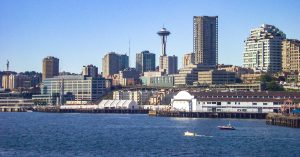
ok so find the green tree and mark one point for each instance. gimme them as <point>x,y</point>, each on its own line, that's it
<point>273,86</point>
<point>265,78</point>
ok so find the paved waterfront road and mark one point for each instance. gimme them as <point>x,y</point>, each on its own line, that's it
<point>57,134</point>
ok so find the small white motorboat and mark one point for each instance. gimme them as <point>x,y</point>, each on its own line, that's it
<point>187,133</point>
<point>226,127</point>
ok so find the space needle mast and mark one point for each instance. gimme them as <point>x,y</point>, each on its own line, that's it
<point>163,33</point>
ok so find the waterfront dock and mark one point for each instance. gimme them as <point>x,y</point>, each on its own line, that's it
<point>13,109</point>
<point>83,110</point>
<point>288,120</point>
<point>238,115</point>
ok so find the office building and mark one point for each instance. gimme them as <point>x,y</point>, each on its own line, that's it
<point>251,78</point>
<point>169,64</point>
<point>216,77</point>
<point>189,74</point>
<point>237,69</point>
<point>129,77</point>
<point>50,67</point>
<point>262,50</point>
<point>205,36</point>
<point>15,81</point>
<point>59,89</point>
<point>145,61</point>
<point>291,55</point>
<point>90,71</point>
<point>112,63</point>
<point>188,59</point>
<point>147,75</point>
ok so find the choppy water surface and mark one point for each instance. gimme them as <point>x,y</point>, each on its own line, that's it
<point>56,134</point>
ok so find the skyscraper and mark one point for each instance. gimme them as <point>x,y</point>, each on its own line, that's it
<point>188,59</point>
<point>112,63</point>
<point>172,67</point>
<point>50,67</point>
<point>262,50</point>
<point>90,70</point>
<point>145,61</point>
<point>291,55</point>
<point>206,40</point>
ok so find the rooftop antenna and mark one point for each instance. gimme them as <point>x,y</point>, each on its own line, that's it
<point>7,66</point>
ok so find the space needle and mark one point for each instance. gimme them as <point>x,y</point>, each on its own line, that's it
<point>163,33</point>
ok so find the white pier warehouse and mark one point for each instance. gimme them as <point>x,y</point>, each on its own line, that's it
<point>118,104</point>
<point>251,102</point>
<point>106,104</point>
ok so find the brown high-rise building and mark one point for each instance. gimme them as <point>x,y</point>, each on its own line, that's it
<point>90,71</point>
<point>50,67</point>
<point>206,40</point>
<point>290,55</point>
<point>112,63</point>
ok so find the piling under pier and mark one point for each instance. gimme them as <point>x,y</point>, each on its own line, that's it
<point>238,115</point>
<point>120,111</point>
<point>288,120</point>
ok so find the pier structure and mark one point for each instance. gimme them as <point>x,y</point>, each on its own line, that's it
<point>57,109</point>
<point>283,120</point>
<point>237,115</point>
<point>13,109</point>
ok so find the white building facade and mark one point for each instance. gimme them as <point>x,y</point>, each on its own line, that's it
<point>106,104</point>
<point>183,101</point>
<point>263,49</point>
<point>236,102</point>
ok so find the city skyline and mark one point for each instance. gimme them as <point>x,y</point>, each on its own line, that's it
<point>81,33</point>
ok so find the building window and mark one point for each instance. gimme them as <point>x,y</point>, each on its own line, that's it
<point>265,103</point>
<point>228,103</point>
<point>254,103</point>
<point>218,103</point>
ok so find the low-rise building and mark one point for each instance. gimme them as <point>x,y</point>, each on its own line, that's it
<point>237,69</point>
<point>189,74</point>
<point>184,101</point>
<point>251,78</point>
<point>71,88</point>
<point>216,77</point>
<point>148,75</point>
<point>141,97</point>
<point>106,104</point>
<point>162,81</point>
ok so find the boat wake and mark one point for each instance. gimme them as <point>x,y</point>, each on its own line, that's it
<point>203,136</point>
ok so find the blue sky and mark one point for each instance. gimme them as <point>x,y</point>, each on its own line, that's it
<point>80,32</point>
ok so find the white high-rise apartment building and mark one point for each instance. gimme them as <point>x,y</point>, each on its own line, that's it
<point>263,49</point>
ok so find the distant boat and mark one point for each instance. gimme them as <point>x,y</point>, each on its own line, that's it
<point>29,111</point>
<point>187,133</point>
<point>226,127</point>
